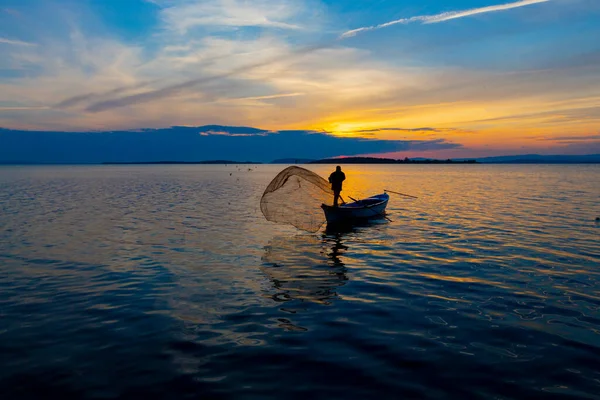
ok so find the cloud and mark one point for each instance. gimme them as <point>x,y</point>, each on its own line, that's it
<point>209,130</point>
<point>578,110</point>
<point>432,19</point>
<point>571,139</point>
<point>460,14</point>
<point>171,90</point>
<point>23,108</point>
<point>80,99</point>
<point>192,144</point>
<point>236,66</point>
<point>184,16</point>
<point>425,129</point>
<point>225,133</point>
<point>16,42</point>
<point>82,78</point>
<point>580,147</point>
<point>232,13</point>
<point>269,97</point>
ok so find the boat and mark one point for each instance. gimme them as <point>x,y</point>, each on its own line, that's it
<point>369,208</point>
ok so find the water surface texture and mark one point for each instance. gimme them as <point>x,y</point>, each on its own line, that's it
<point>167,282</point>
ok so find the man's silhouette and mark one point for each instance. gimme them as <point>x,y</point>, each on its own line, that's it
<point>336,178</point>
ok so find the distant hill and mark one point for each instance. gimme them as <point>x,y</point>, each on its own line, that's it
<point>355,160</point>
<point>183,162</point>
<point>376,160</point>
<point>517,159</point>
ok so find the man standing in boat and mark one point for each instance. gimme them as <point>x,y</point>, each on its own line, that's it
<point>336,178</point>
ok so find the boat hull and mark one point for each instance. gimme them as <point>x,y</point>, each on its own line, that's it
<point>370,208</point>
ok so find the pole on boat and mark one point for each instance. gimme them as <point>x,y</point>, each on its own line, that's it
<point>401,194</point>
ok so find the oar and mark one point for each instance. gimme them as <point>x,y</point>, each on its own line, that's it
<point>374,212</point>
<point>401,194</point>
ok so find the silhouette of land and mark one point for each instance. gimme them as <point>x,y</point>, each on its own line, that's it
<point>347,160</point>
<point>183,162</point>
<point>375,160</point>
<point>516,159</point>
<point>218,144</point>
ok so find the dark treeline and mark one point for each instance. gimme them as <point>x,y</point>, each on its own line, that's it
<point>375,160</point>
<point>184,162</point>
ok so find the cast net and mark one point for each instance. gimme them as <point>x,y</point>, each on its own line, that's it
<point>294,197</point>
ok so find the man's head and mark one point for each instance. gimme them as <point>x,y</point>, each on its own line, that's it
<point>338,168</point>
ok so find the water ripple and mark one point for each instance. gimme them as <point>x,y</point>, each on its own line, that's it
<point>166,282</point>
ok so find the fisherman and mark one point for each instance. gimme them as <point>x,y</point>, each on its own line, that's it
<point>336,178</point>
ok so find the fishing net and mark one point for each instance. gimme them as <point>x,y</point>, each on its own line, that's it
<point>294,197</point>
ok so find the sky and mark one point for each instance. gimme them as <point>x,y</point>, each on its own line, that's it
<point>453,78</point>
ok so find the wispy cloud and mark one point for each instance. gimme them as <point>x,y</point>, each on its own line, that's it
<point>171,90</point>
<point>79,99</point>
<point>231,13</point>
<point>571,139</point>
<point>24,108</point>
<point>273,96</point>
<point>424,129</point>
<point>432,19</point>
<point>186,15</point>
<point>225,69</point>
<point>16,42</point>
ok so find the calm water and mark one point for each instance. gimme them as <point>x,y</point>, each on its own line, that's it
<point>167,282</point>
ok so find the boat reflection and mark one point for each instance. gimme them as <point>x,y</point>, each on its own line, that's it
<point>352,226</point>
<point>305,271</point>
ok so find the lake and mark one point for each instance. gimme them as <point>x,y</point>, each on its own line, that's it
<point>166,281</point>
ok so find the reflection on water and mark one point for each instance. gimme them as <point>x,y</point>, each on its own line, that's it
<point>353,226</point>
<point>304,268</point>
<point>167,282</point>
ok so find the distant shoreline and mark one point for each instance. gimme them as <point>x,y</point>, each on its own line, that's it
<point>375,160</point>
<point>216,162</point>
<point>517,160</point>
<point>340,162</point>
<point>327,161</point>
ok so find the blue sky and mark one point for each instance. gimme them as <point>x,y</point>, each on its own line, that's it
<point>493,77</point>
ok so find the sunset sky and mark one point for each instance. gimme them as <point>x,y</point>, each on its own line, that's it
<point>484,77</point>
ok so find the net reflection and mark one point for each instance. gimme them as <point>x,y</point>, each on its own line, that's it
<point>305,270</point>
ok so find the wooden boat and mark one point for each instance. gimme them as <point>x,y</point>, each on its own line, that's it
<point>369,208</point>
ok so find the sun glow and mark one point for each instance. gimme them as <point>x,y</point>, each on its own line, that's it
<point>466,86</point>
